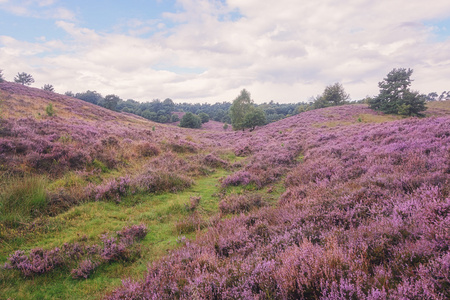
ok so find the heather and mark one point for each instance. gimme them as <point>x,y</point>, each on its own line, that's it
<point>364,216</point>
<point>83,258</point>
<point>336,203</point>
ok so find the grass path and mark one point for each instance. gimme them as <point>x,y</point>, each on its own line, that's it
<point>159,212</point>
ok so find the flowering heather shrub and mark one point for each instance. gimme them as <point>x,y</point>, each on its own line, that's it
<point>38,262</point>
<point>147,149</point>
<point>84,269</point>
<point>162,182</point>
<point>234,204</point>
<point>242,150</point>
<point>183,146</point>
<point>120,249</point>
<point>129,235</point>
<point>215,162</point>
<point>239,178</point>
<point>113,189</point>
<point>41,261</point>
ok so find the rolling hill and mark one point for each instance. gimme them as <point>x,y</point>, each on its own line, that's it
<point>335,203</point>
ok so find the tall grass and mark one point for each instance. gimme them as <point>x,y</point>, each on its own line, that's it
<point>22,198</point>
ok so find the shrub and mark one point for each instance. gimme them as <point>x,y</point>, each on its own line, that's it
<point>41,261</point>
<point>194,201</point>
<point>213,161</point>
<point>240,178</point>
<point>183,146</point>
<point>234,204</point>
<point>189,120</point>
<point>204,117</point>
<point>49,110</point>
<point>147,149</point>
<point>84,269</point>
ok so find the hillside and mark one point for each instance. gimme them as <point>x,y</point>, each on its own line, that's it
<point>335,203</point>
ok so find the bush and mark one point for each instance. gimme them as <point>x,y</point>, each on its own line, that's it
<point>41,261</point>
<point>189,120</point>
<point>147,149</point>
<point>204,117</point>
<point>234,204</point>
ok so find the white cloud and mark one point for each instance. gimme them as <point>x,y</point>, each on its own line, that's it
<point>282,50</point>
<point>43,9</point>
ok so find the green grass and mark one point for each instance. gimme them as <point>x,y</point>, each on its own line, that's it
<point>22,199</point>
<point>370,118</point>
<point>160,213</point>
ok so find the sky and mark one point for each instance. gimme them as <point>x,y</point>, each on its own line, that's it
<point>209,50</point>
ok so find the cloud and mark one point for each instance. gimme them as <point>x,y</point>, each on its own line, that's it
<point>280,50</point>
<point>42,9</point>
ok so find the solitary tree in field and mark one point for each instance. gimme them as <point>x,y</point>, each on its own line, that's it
<point>395,96</point>
<point>256,117</point>
<point>24,78</point>
<point>48,87</point>
<point>1,76</point>
<point>240,107</point>
<point>332,95</point>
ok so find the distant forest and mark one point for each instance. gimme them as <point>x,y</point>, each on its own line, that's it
<point>162,111</point>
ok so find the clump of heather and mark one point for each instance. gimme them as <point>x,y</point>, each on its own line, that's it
<point>86,257</point>
<point>146,182</point>
<point>240,178</point>
<point>183,146</point>
<point>112,189</point>
<point>84,269</point>
<point>233,204</point>
<point>147,149</point>
<point>38,262</point>
<point>194,201</point>
<point>132,234</point>
<point>215,162</point>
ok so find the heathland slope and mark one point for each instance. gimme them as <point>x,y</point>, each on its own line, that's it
<point>334,203</point>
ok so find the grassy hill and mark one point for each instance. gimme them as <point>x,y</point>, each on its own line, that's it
<point>334,203</point>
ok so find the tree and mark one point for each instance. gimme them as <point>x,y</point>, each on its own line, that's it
<point>111,101</point>
<point>174,118</point>
<point>204,117</point>
<point>48,87</point>
<point>240,107</point>
<point>1,76</point>
<point>332,95</point>
<point>189,120</point>
<point>24,78</point>
<point>90,96</point>
<point>256,117</point>
<point>395,96</point>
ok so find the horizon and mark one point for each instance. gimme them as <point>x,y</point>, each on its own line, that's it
<point>208,51</point>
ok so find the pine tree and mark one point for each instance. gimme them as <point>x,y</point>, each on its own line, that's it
<point>395,96</point>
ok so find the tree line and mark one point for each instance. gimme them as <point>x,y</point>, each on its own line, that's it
<point>395,97</point>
